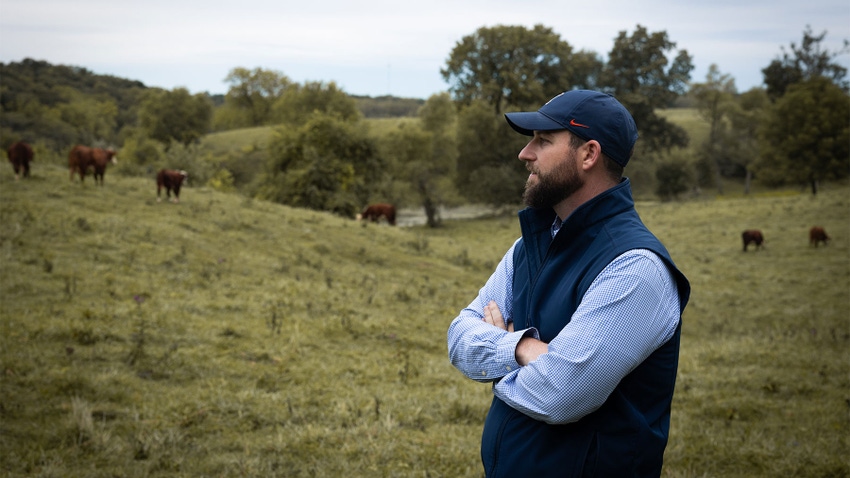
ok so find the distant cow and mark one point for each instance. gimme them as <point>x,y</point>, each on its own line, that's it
<point>171,180</point>
<point>20,154</point>
<point>817,235</point>
<point>752,236</point>
<point>81,158</point>
<point>376,211</point>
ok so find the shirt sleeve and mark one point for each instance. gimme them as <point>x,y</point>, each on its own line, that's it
<point>479,350</point>
<point>630,309</point>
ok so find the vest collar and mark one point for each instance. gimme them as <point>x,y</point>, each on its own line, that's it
<point>609,203</point>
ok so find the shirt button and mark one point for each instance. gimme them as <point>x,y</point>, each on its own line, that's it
<point>483,373</point>
<point>508,368</point>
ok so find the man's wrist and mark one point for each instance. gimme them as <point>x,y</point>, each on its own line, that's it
<point>528,349</point>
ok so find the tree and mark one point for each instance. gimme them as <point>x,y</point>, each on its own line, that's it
<point>642,77</point>
<point>805,62</point>
<point>740,139</point>
<point>175,115</point>
<point>713,99</point>
<point>488,170</point>
<point>326,164</point>
<point>514,67</point>
<point>806,136</point>
<point>251,95</point>
<point>433,173</point>
<point>423,156</point>
<point>297,103</point>
<point>674,178</point>
<point>93,118</point>
<point>58,105</point>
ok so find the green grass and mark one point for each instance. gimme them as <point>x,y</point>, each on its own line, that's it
<point>224,336</point>
<point>233,141</point>
<point>690,120</point>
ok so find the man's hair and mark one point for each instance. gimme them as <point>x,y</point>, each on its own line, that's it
<point>615,171</point>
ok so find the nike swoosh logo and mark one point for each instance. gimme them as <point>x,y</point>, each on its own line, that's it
<point>573,123</point>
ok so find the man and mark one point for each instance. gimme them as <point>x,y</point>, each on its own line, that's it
<point>578,327</point>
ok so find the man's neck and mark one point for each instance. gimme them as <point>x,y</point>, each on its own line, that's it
<point>589,191</point>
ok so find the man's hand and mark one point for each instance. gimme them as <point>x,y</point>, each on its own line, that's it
<point>493,316</point>
<point>528,348</point>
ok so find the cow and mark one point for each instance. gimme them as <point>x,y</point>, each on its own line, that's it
<point>20,154</point>
<point>374,212</point>
<point>81,158</point>
<point>171,180</point>
<point>752,236</point>
<point>817,235</point>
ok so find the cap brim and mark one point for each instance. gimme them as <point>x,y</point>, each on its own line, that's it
<point>528,122</point>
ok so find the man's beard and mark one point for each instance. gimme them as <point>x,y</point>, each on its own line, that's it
<point>555,186</point>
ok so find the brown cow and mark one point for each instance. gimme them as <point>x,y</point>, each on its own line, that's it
<point>170,179</point>
<point>817,234</point>
<point>752,236</point>
<point>81,158</point>
<point>376,211</point>
<point>20,154</point>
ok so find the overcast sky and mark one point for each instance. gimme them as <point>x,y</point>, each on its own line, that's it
<point>377,47</point>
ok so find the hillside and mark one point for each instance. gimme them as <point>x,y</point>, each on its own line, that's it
<point>301,317</point>
<point>226,336</point>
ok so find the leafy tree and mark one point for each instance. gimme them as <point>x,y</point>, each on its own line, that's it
<point>740,140</point>
<point>674,177</point>
<point>297,103</point>
<point>93,118</point>
<point>488,170</point>
<point>251,96</point>
<point>805,62</point>
<point>514,67</point>
<point>806,136</point>
<point>642,77</point>
<point>429,155</point>
<point>29,119</point>
<point>325,164</point>
<point>713,100</point>
<point>60,105</point>
<point>140,156</point>
<point>175,115</point>
<point>407,146</point>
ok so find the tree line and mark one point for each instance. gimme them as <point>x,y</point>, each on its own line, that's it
<point>454,147</point>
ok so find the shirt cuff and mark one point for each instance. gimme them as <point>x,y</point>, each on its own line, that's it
<point>506,348</point>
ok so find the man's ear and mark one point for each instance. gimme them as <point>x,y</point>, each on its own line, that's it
<point>591,154</point>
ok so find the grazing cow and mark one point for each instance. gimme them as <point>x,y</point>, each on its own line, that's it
<point>81,158</point>
<point>20,154</point>
<point>817,234</point>
<point>376,211</point>
<point>752,236</point>
<point>171,180</point>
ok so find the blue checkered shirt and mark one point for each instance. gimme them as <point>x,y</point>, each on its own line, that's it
<point>630,309</point>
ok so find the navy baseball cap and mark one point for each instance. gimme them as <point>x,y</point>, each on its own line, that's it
<point>588,114</point>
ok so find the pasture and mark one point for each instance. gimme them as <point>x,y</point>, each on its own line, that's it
<point>224,336</point>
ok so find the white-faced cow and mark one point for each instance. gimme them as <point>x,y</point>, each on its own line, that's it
<point>171,180</point>
<point>81,158</point>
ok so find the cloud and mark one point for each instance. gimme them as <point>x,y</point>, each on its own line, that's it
<point>378,47</point>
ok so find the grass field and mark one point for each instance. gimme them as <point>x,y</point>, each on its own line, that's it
<point>224,336</point>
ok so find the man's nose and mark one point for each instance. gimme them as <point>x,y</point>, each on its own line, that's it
<point>526,154</point>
